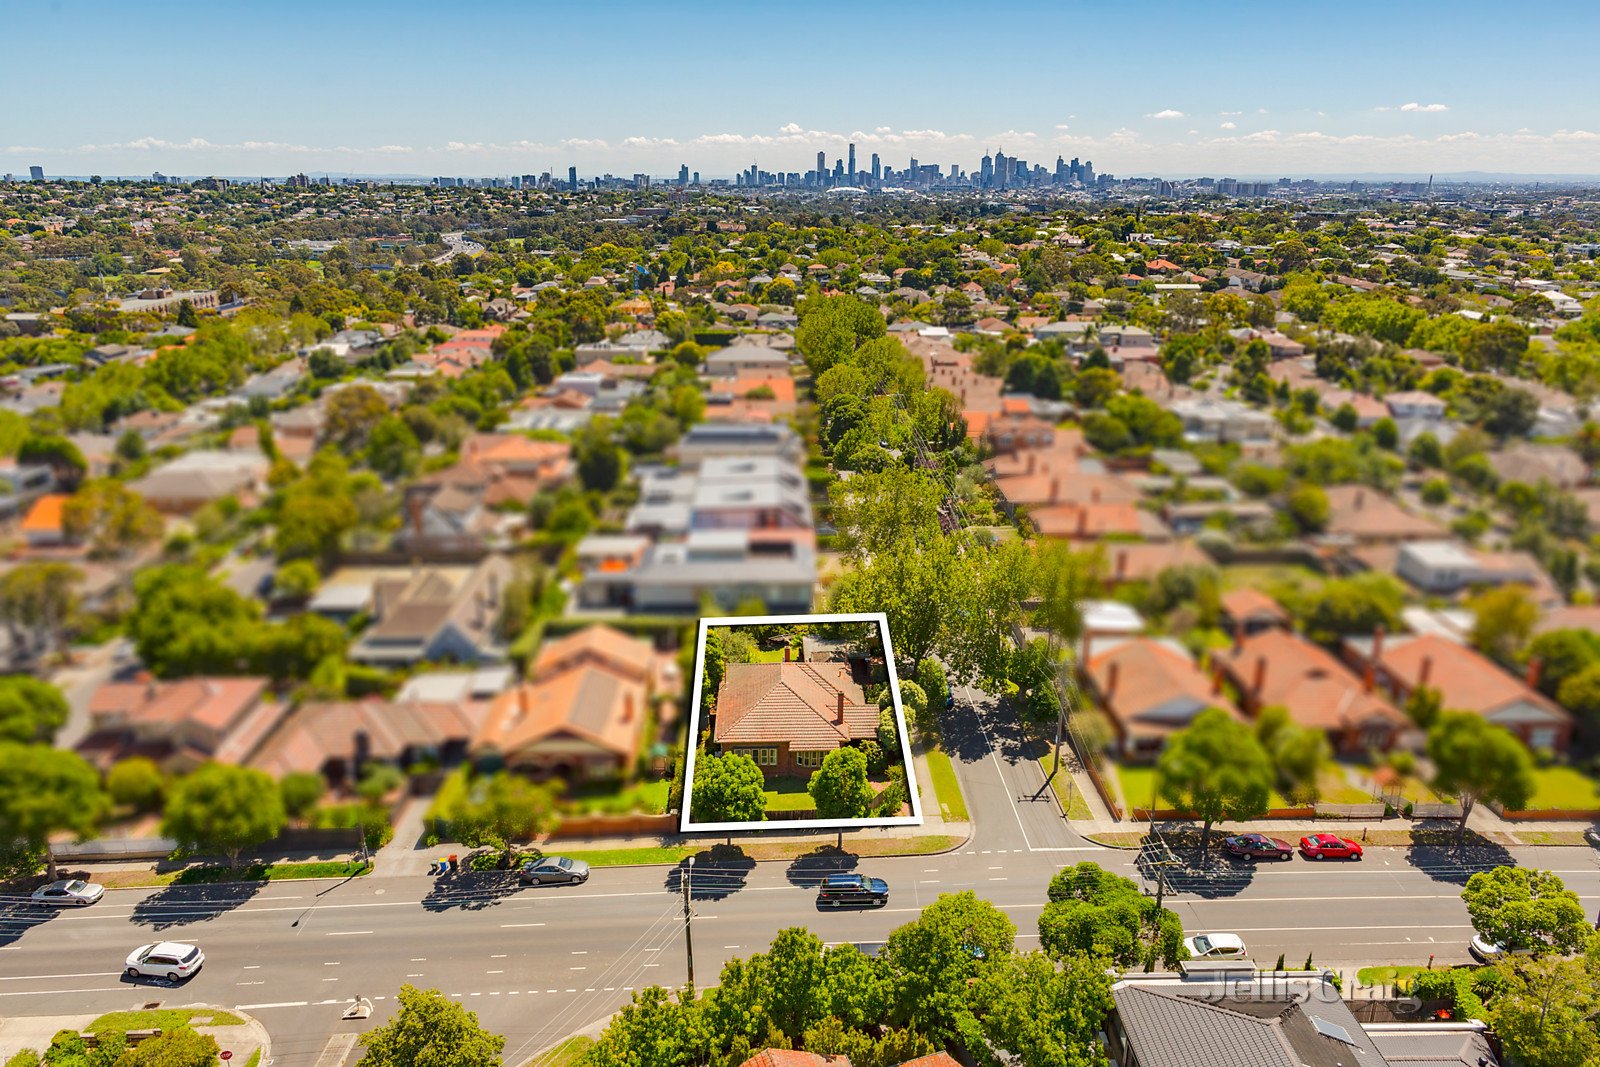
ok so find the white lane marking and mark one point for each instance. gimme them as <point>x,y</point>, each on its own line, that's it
<point>494,972</point>
<point>516,926</point>
<point>994,757</point>
<point>347,933</point>
<point>419,959</point>
<point>252,967</point>
<point>274,1004</point>
<point>498,956</point>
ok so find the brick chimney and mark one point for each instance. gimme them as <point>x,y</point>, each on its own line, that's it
<point>1377,644</point>
<point>786,653</point>
<point>1261,678</point>
<point>1122,564</point>
<point>627,707</point>
<point>1238,636</point>
<point>1425,671</point>
<point>1369,677</point>
<point>838,715</point>
<point>1087,638</point>
<point>1083,522</point>
<point>1111,679</point>
<point>1216,678</point>
<point>1535,672</point>
<point>1055,489</point>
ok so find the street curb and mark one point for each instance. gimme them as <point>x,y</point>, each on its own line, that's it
<point>250,1020</point>
<point>242,881</point>
<point>673,863</point>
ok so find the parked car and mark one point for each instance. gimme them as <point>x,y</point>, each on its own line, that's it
<point>554,869</point>
<point>171,960</point>
<point>1216,947</point>
<point>1486,951</point>
<point>840,890</point>
<point>1259,847</point>
<point>69,893</point>
<point>1592,835</point>
<point>1329,847</point>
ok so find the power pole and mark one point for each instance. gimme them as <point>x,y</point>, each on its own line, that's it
<point>688,914</point>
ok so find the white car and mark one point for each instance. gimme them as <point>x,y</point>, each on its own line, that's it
<point>1215,947</point>
<point>69,893</point>
<point>172,960</point>
<point>1487,951</point>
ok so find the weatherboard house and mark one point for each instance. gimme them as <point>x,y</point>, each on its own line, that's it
<point>788,716</point>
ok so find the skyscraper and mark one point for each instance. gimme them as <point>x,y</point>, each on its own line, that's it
<point>36,174</point>
<point>986,171</point>
<point>851,172</point>
<point>877,168</point>
<point>822,168</point>
<point>683,174</point>
<point>572,179</point>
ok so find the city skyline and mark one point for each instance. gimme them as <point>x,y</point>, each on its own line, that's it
<point>1226,100</point>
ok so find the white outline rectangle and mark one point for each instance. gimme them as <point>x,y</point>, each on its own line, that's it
<point>914,796</point>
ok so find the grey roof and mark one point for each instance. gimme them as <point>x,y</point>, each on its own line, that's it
<point>1433,1044</point>
<point>1251,1021</point>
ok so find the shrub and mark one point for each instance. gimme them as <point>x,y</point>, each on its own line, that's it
<point>137,783</point>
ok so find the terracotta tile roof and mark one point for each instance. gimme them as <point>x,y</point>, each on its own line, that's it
<point>1570,617</point>
<point>1247,603</point>
<point>1466,680</point>
<point>1155,689</point>
<point>1362,512</point>
<point>1137,562</point>
<point>318,732</point>
<point>626,656</point>
<point>588,702</point>
<point>1086,520</point>
<point>937,1059</point>
<point>783,1057</point>
<point>1317,689</point>
<point>212,702</point>
<point>793,702</point>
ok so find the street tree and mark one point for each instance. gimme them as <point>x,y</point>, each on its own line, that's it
<point>137,783</point>
<point>221,808</point>
<point>727,788</point>
<point>1044,1011</point>
<point>179,1047</point>
<point>30,709</point>
<point>874,512</point>
<point>839,788</point>
<point>1548,1014</point>
<point>1580,694</point>
<point>778,990</point>
<point>931,960</point>
<point>112,518</point>
<point>46,791</point>
<point>1476,760</point>
<point>1522,908</point>
<point>351,413</point>
<point>655,1027</point>
<point>1503,620</point>
<point>1216,769</point>
<point>430,1030</point>
<point>503,808</point>
<point>1095,912</point>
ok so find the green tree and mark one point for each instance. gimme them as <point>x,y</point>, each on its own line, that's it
<point>30,710</point>
<point>1580,694</point>
<point>220,808</point>
<point>1216,769</point>
<point>1308,507</point>
<point>46,791</point>
<point>1476,760</point>
<point>727,788</point>
<point>1095,912</point>
<point>300,791</point>
<point>931,960</point>
<point>878,512</point>
<point>430,1030</point>
<point>392,449</point>
<point>654,1028</point>
<point>502,808</point>
<point>57,453</point>
<point>1562,654</point>
<point>1042,1011</point>
<point>186,622</point>
<point>1520,908</point>
<point>137,783</point>
<point>39,603</point>
<point>1354,605</point>
<point>839,788</point>
<point>1503,620</point>
<point>296,579</point>
<point>1546,1014</point>
<point>350,415</point>
<point>601,461</point>
<point>832,328</point>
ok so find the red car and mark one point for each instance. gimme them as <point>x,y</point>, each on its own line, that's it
<point>1329,847</point>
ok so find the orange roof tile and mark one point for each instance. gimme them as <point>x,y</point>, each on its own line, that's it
<point>45,515</point>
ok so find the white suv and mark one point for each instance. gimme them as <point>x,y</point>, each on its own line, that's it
<point>171,960</point>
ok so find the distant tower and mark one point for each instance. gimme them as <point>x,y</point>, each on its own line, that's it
<point>683,174</point>
<point>822,168</point>
<point>36,174</point>
<point>877,168</point>
<point>572,178</point>
<point>851,172</point>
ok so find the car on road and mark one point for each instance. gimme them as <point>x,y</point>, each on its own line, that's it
<point>556,870</point>
<point>1216,947</point>
<point>842,890</point>
<point>1329,847</point>
<point>1485,951</point>
<point>1592,835</point>
<point>1258,847</point>
<point>69,893</point>
<point>171,960</point>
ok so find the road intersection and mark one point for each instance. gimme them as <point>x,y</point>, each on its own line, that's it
<point>539,963</point>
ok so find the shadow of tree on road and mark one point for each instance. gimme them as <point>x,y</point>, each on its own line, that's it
<point>18,915</point>
<point>1435,852</point>
<point>179,905</point>
<point>719,871</point>
<point>809,870</point>
<point>1208,875</point>
<point>471,890</point>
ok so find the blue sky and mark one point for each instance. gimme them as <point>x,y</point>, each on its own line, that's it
<point>498,87</point>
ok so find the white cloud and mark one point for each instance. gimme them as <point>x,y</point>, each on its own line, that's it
<point>1062,126</point>
<point>1230,125</point>
<point>1429,108</point>
<point>1228,113</point>
<point>1168,113</point>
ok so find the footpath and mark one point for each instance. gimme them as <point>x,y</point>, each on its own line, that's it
<point>247,1040</point>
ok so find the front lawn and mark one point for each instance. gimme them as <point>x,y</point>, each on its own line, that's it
<point>621,857</point>
<point>1384,976</point>
<point>613,798</point>
<point>1272,578</point>
<point>1563,788</point>
<point>210,874</point>
<point>946,787</point>
<point>1139,788</point>
<point>788,793</point>
<point>164,1019</point>
<point>769,655</point>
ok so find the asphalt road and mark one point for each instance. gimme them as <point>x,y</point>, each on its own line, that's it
<point>538,963</point>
